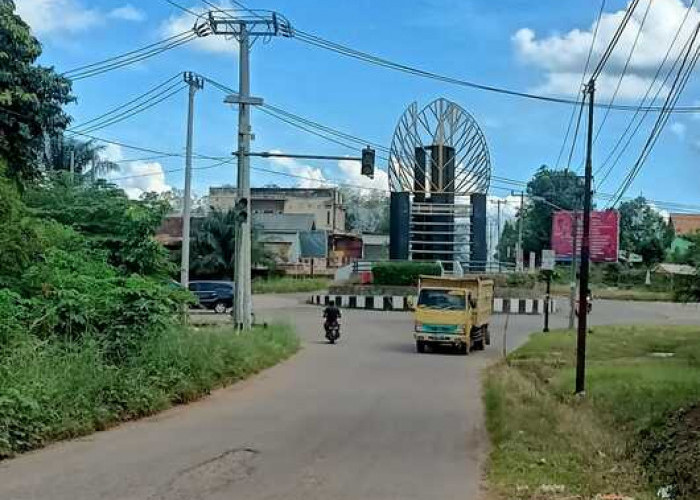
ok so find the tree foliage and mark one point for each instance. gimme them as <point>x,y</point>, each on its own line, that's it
<point>644,231</point>
<point>366,212</point>
<point>548,188</point>
<point>31,97</point>
<point>213,247</point>
<point>105,215</point>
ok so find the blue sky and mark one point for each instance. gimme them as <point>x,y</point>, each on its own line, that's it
<point>524,45</point>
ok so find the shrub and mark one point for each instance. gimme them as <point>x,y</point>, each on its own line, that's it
<point>403,273</point>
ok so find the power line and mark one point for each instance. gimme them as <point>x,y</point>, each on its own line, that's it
<point>616,38</point>
<point>128,103</point>
<point>644,99</point>
<point>679,83</point>
<point>583,78</point>
<point>624,71</point>
<point>126,61</point>
<point>184,9</point>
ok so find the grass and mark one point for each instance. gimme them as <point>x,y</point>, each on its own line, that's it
<point>52,390</point>
<point>290,285</point>
<point>543,435</point>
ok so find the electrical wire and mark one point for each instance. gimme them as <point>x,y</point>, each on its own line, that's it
<point>132,107</point>
<point>644,99</point>
<point>184,9</point>
<point>126,61</point>
<point>679,83</point>
<point>583,78</point>
<point>616,38</point>
<point>624,71</point>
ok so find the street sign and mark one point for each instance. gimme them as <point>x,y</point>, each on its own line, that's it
<point>548,257</point>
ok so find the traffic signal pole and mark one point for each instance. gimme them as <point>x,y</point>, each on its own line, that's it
<point>585,251</point>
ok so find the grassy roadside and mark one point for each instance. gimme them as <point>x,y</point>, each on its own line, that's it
<point>290,285</point>
<point>636,430</point>
<point>56,390</point>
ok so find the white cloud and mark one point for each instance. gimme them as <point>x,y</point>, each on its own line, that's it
<point>54,17</point>
<point>128,13</point>
<point>48,17</point>
<point>678,129</point>
<point>137,177</point>
<point>563,56</point>
<point>351,175</point>
<point>308,176</point>
<point>183,21</point>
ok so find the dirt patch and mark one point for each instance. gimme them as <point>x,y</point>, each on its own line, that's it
<point>671,453</point>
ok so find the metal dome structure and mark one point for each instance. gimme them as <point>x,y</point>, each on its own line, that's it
<point>439,174</point>
<point>459,162</point>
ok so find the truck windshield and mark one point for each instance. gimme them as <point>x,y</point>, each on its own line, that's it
<point>442,299</point>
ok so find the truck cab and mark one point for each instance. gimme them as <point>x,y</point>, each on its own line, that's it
<point>453,312</point>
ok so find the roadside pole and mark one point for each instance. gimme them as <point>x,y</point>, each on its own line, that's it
<point>574,262</point>
<point>498,236</point>
<point>585,250</point>
<point>548,262</point>
<point>195,84</point>
<point>520,257</point>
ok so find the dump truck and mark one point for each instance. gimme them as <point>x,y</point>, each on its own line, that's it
<point>453,311</point>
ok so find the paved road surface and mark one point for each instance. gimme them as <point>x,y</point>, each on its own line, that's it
<point>365,419</point>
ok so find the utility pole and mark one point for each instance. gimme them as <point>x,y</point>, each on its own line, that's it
<point>519,255</point>
<point>574,261</point>
<point>246,28</point>
<point>498,250</point>
<point>585,250</point>
<point>195,82</point>
<point>72,165</point>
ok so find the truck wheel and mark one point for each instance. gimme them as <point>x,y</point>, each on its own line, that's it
<point>220,308</point>
<point>463,349</point>
<point>420,346</point>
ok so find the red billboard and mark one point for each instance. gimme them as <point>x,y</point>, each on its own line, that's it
<point>605,230</point>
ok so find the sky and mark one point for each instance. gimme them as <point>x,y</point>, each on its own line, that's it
<point>538,47</point>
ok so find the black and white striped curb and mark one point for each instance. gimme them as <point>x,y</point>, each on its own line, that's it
<point>403,303</point>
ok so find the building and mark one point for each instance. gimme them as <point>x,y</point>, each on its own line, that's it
<point>685,224</point>
<point>282,235</point>
<point>325,204</point>
<point>375,246</point>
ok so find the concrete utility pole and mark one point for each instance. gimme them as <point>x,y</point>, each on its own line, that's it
<point>574,261</point>
<point>519,254</point>
<point>246,28</point>
<point>243,306</point>
<point>585,250</point>
<point>195,82</point>
<point>498,241</point>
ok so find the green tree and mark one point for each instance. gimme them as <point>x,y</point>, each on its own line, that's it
<point>31,97</point>
<point>644,231</point>
<point>86,155</point>
<point>104,214</point>
<point>548,187</point>
<point>212,253</point>
<point>366,211</point>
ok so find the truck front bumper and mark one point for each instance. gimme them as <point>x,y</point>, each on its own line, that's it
<point>438,338</point>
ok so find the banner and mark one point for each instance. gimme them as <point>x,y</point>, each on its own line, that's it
<point>605,230</point>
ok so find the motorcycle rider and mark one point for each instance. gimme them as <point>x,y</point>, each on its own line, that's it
<point>331,313</point>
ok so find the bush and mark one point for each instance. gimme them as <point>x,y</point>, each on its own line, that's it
<point>403,273</point>
<point>59,389</point>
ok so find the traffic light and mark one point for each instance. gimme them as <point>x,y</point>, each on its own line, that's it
<point>242,209</point>
<point>368,162</point>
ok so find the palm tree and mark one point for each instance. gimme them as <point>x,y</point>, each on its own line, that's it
<point>213,246</point>
<point>86,157</point>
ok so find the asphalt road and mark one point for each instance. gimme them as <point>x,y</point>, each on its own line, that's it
<point>365,419</point>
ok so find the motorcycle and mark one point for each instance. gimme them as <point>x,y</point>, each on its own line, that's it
<point>332,331</point>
